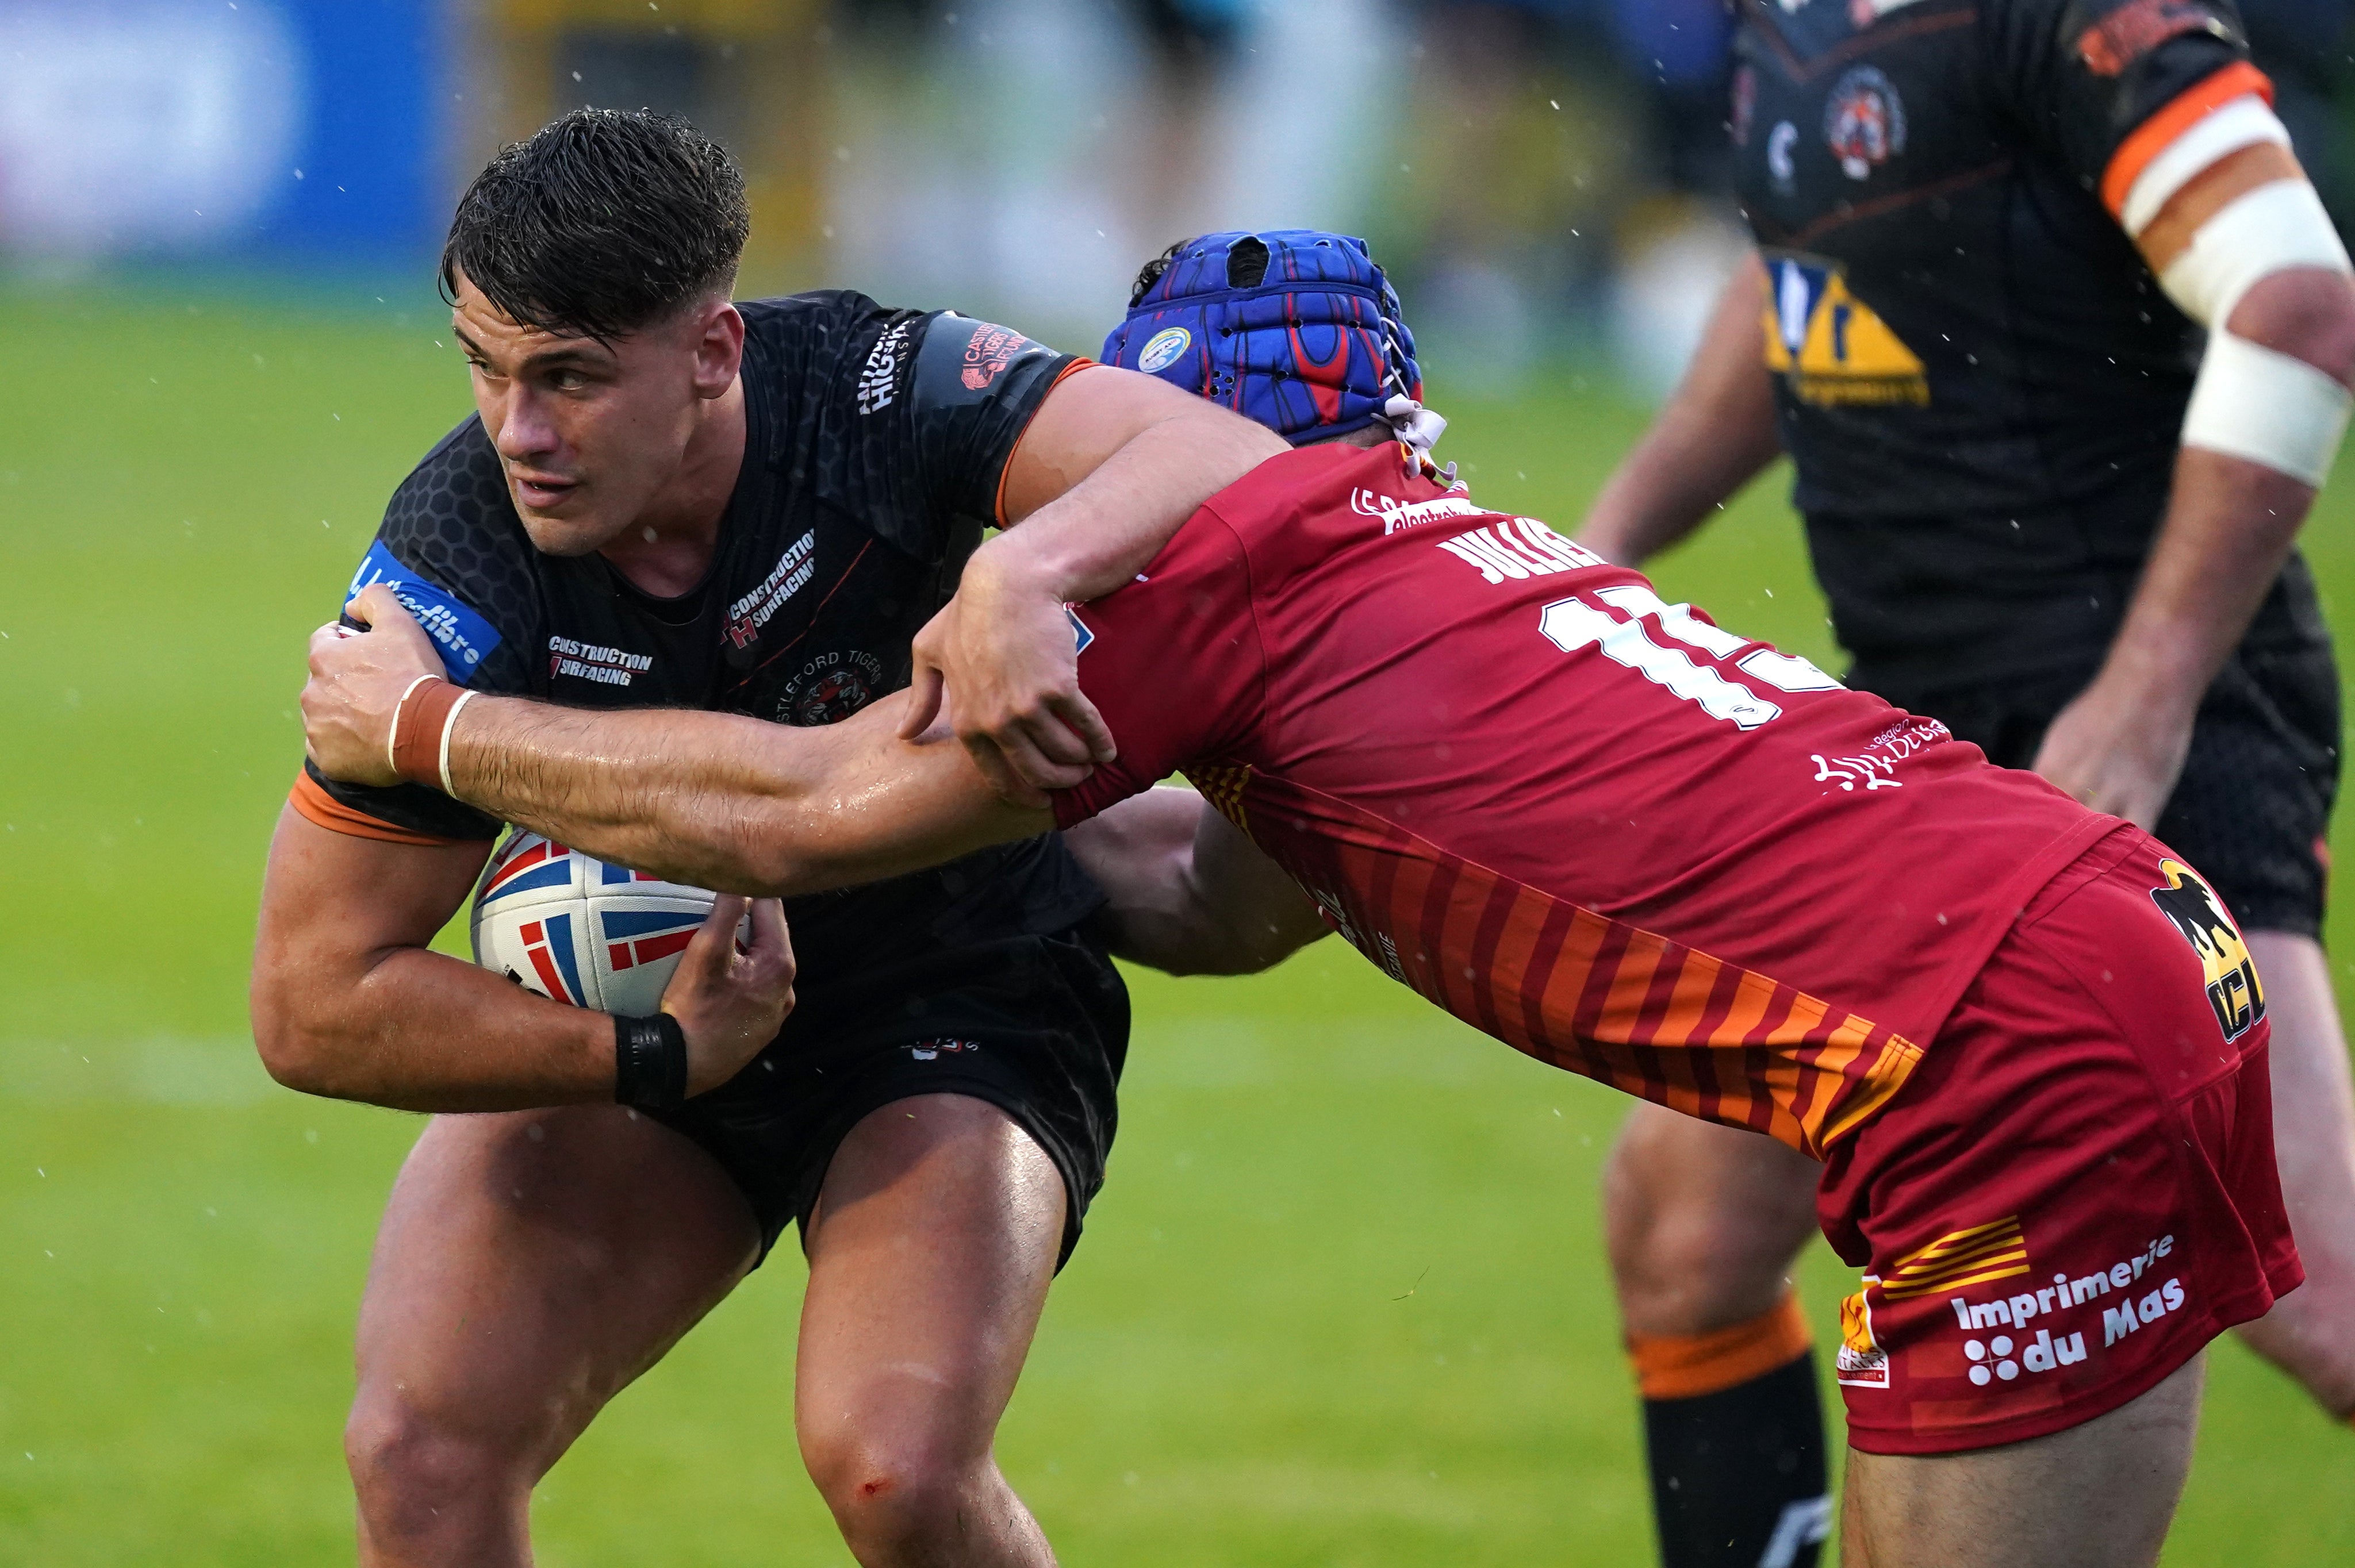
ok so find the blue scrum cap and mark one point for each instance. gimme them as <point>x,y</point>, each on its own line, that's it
<point>1293,327</point>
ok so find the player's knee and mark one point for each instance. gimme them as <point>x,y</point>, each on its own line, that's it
<point>2310,1335</point>
<point>1690,1257</point>
<point>897,1500</point>
<point>417,1477</point>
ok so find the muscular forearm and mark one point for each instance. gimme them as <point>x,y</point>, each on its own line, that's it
<point>347,1002</point>
<point>1716,433</point>
<point>2229,529</point>
<point>419,1030</point>
<point>731,803</point>
<point>1109,520</point>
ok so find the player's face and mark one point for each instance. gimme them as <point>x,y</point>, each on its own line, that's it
<point>591,434</point>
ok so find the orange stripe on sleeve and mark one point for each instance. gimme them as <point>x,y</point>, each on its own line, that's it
<point>998,505</point>
<point>317,806</point>
<point>1687,1366</point>
<point>2182,112</point>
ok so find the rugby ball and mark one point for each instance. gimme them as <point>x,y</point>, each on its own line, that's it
<point>576,929</point>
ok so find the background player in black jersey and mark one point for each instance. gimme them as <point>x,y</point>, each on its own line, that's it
<point>668,499</point>
<point>1988,238</point>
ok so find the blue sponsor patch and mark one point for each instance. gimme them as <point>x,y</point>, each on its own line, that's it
<point>1080,635</point>
<point>465,638</point>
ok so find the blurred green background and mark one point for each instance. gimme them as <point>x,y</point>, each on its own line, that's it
<point>1342,1302</point>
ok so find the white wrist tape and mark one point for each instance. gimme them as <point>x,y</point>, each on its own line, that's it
<point>2269,230</point>
<point>2267,408</point>
<point>2244,122</point>
<point>450,722</point>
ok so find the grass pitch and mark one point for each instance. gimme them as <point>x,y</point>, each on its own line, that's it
<point>1342,1302</point>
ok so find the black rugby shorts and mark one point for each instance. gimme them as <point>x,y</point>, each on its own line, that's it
<point>1035,1025</point>
<point>2252,812</point>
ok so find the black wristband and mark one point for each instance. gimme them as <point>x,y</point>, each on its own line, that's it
<point>649,1062</point>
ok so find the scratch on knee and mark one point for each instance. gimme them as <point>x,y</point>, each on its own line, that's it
<point>922,1373</point>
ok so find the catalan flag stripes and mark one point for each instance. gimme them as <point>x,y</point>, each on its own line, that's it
<point>1997,1250</point>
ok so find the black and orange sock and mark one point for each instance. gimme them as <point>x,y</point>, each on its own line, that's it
<point>1734,1431</point>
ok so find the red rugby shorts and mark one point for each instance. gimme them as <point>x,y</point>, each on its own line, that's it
<point>2076,1192</point>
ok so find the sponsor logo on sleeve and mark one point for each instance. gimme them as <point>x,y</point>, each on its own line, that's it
<point>463,638</point>
<point>1864,121</point>
<point>573,660</point>
<point>878,384</point>
<point>2135,29</point>
<point>988,353</point>
<point>1080,635</point>
<point>2228,970</point>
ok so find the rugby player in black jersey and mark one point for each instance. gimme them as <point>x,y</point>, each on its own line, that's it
<point>1989,234</point>
<point>665,499</point>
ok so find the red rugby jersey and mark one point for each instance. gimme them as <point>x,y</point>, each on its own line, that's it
<point>1595,825</point>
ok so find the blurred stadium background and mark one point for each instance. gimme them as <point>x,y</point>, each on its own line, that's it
<point>1343,1300</point>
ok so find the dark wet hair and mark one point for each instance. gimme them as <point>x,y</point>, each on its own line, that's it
<point>600,224</point>
<point>1246,267</point>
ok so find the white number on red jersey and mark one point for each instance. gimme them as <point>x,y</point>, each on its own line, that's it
<point>1573,624</point>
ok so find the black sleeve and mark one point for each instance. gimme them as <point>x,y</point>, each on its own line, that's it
<point>902,419</point>
<point>453,553</point>
<point>972,393</point>
<point>2082,76</point>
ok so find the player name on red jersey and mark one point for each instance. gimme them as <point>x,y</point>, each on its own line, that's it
<point>1595,824</point>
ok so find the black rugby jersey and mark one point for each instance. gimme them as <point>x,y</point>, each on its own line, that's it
<point>875,443</point>
<point>1980,382</point>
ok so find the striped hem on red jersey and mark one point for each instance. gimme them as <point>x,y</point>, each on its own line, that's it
<point>1611,1001</point>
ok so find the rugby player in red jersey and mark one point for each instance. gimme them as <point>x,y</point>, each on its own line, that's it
<point>2044,513</point>
<point>2024,1040</point>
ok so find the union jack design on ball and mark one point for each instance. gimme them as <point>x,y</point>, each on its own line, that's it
<point>540,864</point>
<point>548,943</point>
<point>635,936</point>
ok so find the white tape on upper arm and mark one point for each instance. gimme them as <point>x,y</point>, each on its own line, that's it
<point>2272,229</point>
<point>2244,121</point>
<point>2266,407</point>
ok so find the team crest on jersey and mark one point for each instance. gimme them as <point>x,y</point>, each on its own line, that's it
<point>1864,121</point>
<point>2233,993</point>
<point>831,687</point>
<point>1832,347</point>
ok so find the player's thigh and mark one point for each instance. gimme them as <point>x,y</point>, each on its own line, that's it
<point>2099,1495</point>
<point>1702,1220</point>
<point>930,1248</point>
<point>529,1265</point>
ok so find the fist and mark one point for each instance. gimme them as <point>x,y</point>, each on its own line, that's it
<point>357,679</point>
